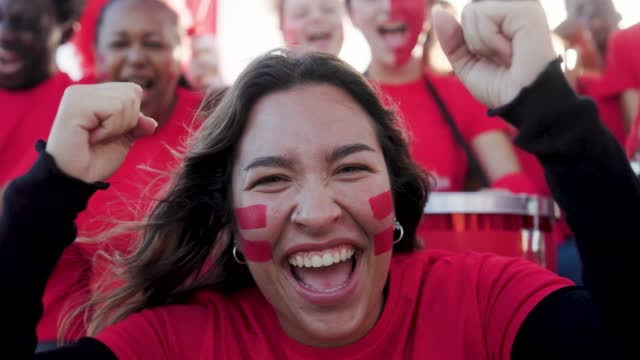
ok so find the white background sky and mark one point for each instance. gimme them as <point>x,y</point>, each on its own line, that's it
<point>248,28</point>
<point>240,43</point>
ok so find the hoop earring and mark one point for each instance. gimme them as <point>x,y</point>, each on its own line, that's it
<point>235,252</point>
<point>398,228</point>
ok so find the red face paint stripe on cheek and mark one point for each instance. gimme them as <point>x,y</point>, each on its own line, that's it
<point>383,242</point>
<point>381,205</point>
<point>256,251</point>
<point>252,217</point>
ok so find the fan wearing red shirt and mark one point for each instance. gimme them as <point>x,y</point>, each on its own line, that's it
<point>30,83</point>
<point>392,28</point>
<point>137,41</point>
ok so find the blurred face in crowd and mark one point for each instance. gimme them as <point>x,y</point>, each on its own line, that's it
<point>308,197</point>
<point>312,25</point>
<point>391,27</point>
<point>30,33</point>
<point>598,16</point>
<point>139,41</point>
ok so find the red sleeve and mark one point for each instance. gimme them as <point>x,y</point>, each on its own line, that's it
<point>508,289</point>
<point>172,332</point>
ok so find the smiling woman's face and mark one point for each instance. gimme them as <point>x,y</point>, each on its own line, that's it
<point>138,41</point>
<point>312,25</point>
<point>314,211</point>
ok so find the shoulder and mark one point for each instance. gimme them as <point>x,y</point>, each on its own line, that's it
<point>472,266</point>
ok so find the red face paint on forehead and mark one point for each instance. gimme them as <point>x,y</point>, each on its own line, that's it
<point>252,217</point>
<point>381,205</point>
<point>256,250</point>
<point>412,13</point>
<point>383,242</point>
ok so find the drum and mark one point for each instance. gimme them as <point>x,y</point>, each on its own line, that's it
<point>507,224</point>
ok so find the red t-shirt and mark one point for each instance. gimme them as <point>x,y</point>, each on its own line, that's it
<point>27,116</point>
<point>608,104</point>
<point>144,171</point>
<point>622,69</point>
<point>440,306</point>
<point>432,142</point>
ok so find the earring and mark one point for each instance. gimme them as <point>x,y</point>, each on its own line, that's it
<point>235,252</point>
<point>398,228</point>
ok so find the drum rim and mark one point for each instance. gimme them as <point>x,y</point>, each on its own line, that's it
<point>491,203</point>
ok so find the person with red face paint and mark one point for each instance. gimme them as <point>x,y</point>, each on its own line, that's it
<point>311,25</point>
<point>30,83</point>
<point>290,239</point>
<point>449,128</point>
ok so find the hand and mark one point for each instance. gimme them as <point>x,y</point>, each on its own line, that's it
<point>499,48</point>
<point>95,127</point>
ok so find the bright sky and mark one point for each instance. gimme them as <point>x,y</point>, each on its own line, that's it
<point>248,28</point>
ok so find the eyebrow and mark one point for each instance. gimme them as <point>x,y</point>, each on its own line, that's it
<point>346,150</point>
<point>270,161</point>
<point>283,162</point>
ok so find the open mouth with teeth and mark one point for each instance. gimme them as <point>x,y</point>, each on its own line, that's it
<point>324,271</point>
<point>146,84</point>
<point>394,34</point>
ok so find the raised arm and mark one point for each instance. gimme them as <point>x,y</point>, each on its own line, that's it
<point>95,127</point>
<point>508,63</point>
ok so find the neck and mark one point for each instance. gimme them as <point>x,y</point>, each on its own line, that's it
<point>383,73</point>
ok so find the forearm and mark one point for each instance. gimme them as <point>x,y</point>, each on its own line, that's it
<point>36,225</point>
<point>590,178</point>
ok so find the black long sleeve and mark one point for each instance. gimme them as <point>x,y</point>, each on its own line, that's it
<point>590,178</point>
<point>36,225</point>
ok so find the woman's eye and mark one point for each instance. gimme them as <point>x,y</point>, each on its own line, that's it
<point>118,44</point>
<point>269,180</point>
<point>351,169</point>
<point>154,44</point>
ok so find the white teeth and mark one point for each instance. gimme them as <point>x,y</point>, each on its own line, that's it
<point>316,261</point>
<point>322,258</point>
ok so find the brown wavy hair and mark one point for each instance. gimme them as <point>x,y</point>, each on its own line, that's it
<point>182,249</point>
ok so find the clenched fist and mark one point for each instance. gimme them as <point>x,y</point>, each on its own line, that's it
<point>95,127</point>
<point>498,48</point>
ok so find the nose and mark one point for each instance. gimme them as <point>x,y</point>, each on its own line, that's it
<point>136,55</point>
<point>316,209</point>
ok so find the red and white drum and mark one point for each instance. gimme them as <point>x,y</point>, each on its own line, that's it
<point>507,224</point>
